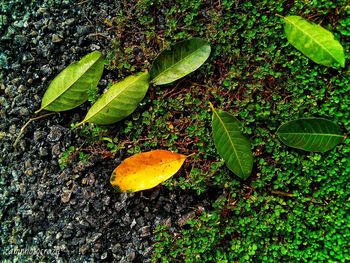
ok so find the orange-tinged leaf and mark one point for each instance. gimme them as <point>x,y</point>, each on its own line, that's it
<point>146,170</point>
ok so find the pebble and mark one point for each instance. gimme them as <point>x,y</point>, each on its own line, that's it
<point>116,248</point>
<point>104,255</point>
<point>66,196</point>
<point>43,152</point>
<point>95,237</point>
<point>55,134</point>
<point>56,38</point>
<point>183,220</point>
<point>84,249</point>
<point>38,135</point>
<point>56,150</point>
<point>145,231</point>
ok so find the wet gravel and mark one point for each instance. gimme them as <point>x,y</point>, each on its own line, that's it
<point>74,213</point>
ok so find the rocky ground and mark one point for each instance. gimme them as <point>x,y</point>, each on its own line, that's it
<point>74,212</point>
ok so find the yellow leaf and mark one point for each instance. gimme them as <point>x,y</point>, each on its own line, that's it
<point>146,170</point>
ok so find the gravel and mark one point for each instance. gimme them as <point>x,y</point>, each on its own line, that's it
<point>72,215</point>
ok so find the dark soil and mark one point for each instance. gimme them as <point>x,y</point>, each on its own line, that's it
<point>75,212</point>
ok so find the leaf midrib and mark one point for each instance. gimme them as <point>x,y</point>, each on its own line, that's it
<point>65,90</point>
<point>232,144</point>
<point>315,134</point>
<point>305,32</point>
<point>111,100</point>
<point>174,65</point>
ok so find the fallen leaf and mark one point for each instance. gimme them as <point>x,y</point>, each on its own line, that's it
<point>146,170</point>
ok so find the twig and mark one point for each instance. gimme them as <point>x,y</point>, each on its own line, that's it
<point>27,123</point>
<point>276,192</point>
<point>82,2</point>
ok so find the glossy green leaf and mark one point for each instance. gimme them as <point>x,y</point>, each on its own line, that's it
<point>232,146</point>
<point>314,41</point>
<point>119,101</point>
<point>179,60</point>
<point>310,134</point>
<point>69,89</point>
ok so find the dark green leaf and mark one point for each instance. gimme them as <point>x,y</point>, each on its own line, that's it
<point>310,134</point>
<point>232,146</point>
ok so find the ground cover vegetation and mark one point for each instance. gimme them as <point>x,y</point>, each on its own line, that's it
<point>295,204</point>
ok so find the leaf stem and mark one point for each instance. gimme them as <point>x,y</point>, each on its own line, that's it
<point>190,155</point>
<point>38,110</point>
<point>79,124</point>
<point>279,16</point>
<point>211,106</point>
<point>276,192</point>
<point>27,123</point>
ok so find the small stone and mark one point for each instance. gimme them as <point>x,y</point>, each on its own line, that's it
<point>145,231</point>
<point>40,194</point>
<point>106,201</point>
<point>130,256</point>
<point>167,222</point>
<point>84,249</point>
<point>69,21</point>
<point>95,237</point>
<point>95,47</point>
<point>91,179</point>
<point>133,223</point>
<point>83,30</point>
<point>22,89</point>
<point>183,220</point>
<point>27,164</point>
<point>97,205</point>
<point>119,206</point>
<point>43,152</point>
<point>84,181</point>
<point>56,38</point>
<point>56,150</point>
<point>58,235</point>
<point>38,135</point>
<point>55,134</point>
<point>116,248</point>
<point>104,255</point>
<point>66,196</point>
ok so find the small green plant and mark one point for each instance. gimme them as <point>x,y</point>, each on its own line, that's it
<point>71,154</point>
<point>112,144</point>
<point>92,94</point>
<point>66,157</point>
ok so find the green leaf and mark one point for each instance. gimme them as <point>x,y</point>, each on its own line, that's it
<point>310,134</point>
<point>69,89</point>
<point>232,146</point>
<point>179,60</point>
<point>314,41</point>
<point>119,101</point>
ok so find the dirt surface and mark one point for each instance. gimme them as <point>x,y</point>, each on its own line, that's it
<point>71,215</point>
